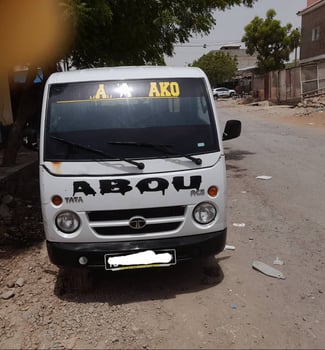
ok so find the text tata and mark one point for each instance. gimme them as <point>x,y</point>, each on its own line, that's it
<point>122,186</point>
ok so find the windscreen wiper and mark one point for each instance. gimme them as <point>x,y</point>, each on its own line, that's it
<point>97,151</point>
<point>159,147</point>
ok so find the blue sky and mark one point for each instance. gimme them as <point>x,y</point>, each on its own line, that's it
<point>230,25</point>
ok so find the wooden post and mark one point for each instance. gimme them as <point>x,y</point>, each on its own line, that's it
<point>5,100</point>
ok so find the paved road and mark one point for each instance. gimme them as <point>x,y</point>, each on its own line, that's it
<point>293,155</point>
<point>284,217</point>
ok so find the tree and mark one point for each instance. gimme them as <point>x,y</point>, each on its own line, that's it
<point>106,33</point>
<point>218,66</point>
<point>131,32</point>
<point>272,42</point>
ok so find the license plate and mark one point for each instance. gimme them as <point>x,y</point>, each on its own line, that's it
<point>139,260</point>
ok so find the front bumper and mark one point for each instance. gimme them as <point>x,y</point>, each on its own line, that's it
<point>188,247</point>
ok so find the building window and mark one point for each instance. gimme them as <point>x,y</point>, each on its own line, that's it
<point>315,34</point>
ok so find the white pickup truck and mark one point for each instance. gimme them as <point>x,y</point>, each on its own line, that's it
<point>132,167</point>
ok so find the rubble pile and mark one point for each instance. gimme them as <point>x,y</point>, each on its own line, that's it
<point>310,105</point>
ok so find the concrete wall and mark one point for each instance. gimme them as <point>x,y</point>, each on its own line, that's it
<point>279,86</point>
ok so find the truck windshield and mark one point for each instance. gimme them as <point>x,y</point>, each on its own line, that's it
<point>108,115</point>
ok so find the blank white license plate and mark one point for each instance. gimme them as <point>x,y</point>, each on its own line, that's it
<point>143,259</point>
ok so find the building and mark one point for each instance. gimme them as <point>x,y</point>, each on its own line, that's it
<point>244,60</point>
<point>245,66</point>
<point>312,51</point>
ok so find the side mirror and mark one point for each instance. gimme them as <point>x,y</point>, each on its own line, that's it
<point>31,138</point>
<point>232,130</point>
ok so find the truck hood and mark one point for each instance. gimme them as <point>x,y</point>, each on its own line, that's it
<point>152,166</point>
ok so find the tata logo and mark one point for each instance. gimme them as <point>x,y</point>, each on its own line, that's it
<point>71,200</point>
<point>137,222</point>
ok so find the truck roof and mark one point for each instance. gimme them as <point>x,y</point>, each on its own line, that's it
<point>125,72</point>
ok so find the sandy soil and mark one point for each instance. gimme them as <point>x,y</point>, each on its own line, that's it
<point>311,117</point>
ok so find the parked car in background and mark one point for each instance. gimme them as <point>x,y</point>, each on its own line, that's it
<point>223,92</point>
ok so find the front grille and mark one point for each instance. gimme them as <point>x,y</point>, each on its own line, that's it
<point>126,230</point>
<point>116,222</point>
<point>106,215</point>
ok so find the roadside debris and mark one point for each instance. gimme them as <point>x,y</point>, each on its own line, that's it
<point>277,261</point>
<point>230,247</point>
<point>20,282</point>
<point>8,294</point>
<point>242,224</point>
<point>264,177</point>
<point>316,103</point>
<point>267,270</point>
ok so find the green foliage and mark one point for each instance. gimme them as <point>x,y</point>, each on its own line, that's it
<point>218,66</point>
<point>272,42</point>
<point>89,22</point>
<point>130,32</point>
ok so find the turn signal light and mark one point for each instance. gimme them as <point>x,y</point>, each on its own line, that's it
<point>57,200</point>
<point>213,191</point>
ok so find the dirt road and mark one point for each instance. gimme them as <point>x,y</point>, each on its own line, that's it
<point>217,303</point>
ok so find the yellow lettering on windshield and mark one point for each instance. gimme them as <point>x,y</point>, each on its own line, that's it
<point>164,89</point>
<point>101,93</point>
<point>164,85</point>
<point>154,91</point>
<point>174,88</point>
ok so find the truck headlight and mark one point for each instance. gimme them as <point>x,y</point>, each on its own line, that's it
<point>67,221</point>
<point>204,213</point>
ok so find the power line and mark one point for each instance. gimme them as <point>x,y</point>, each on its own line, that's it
<point>204,44</point>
